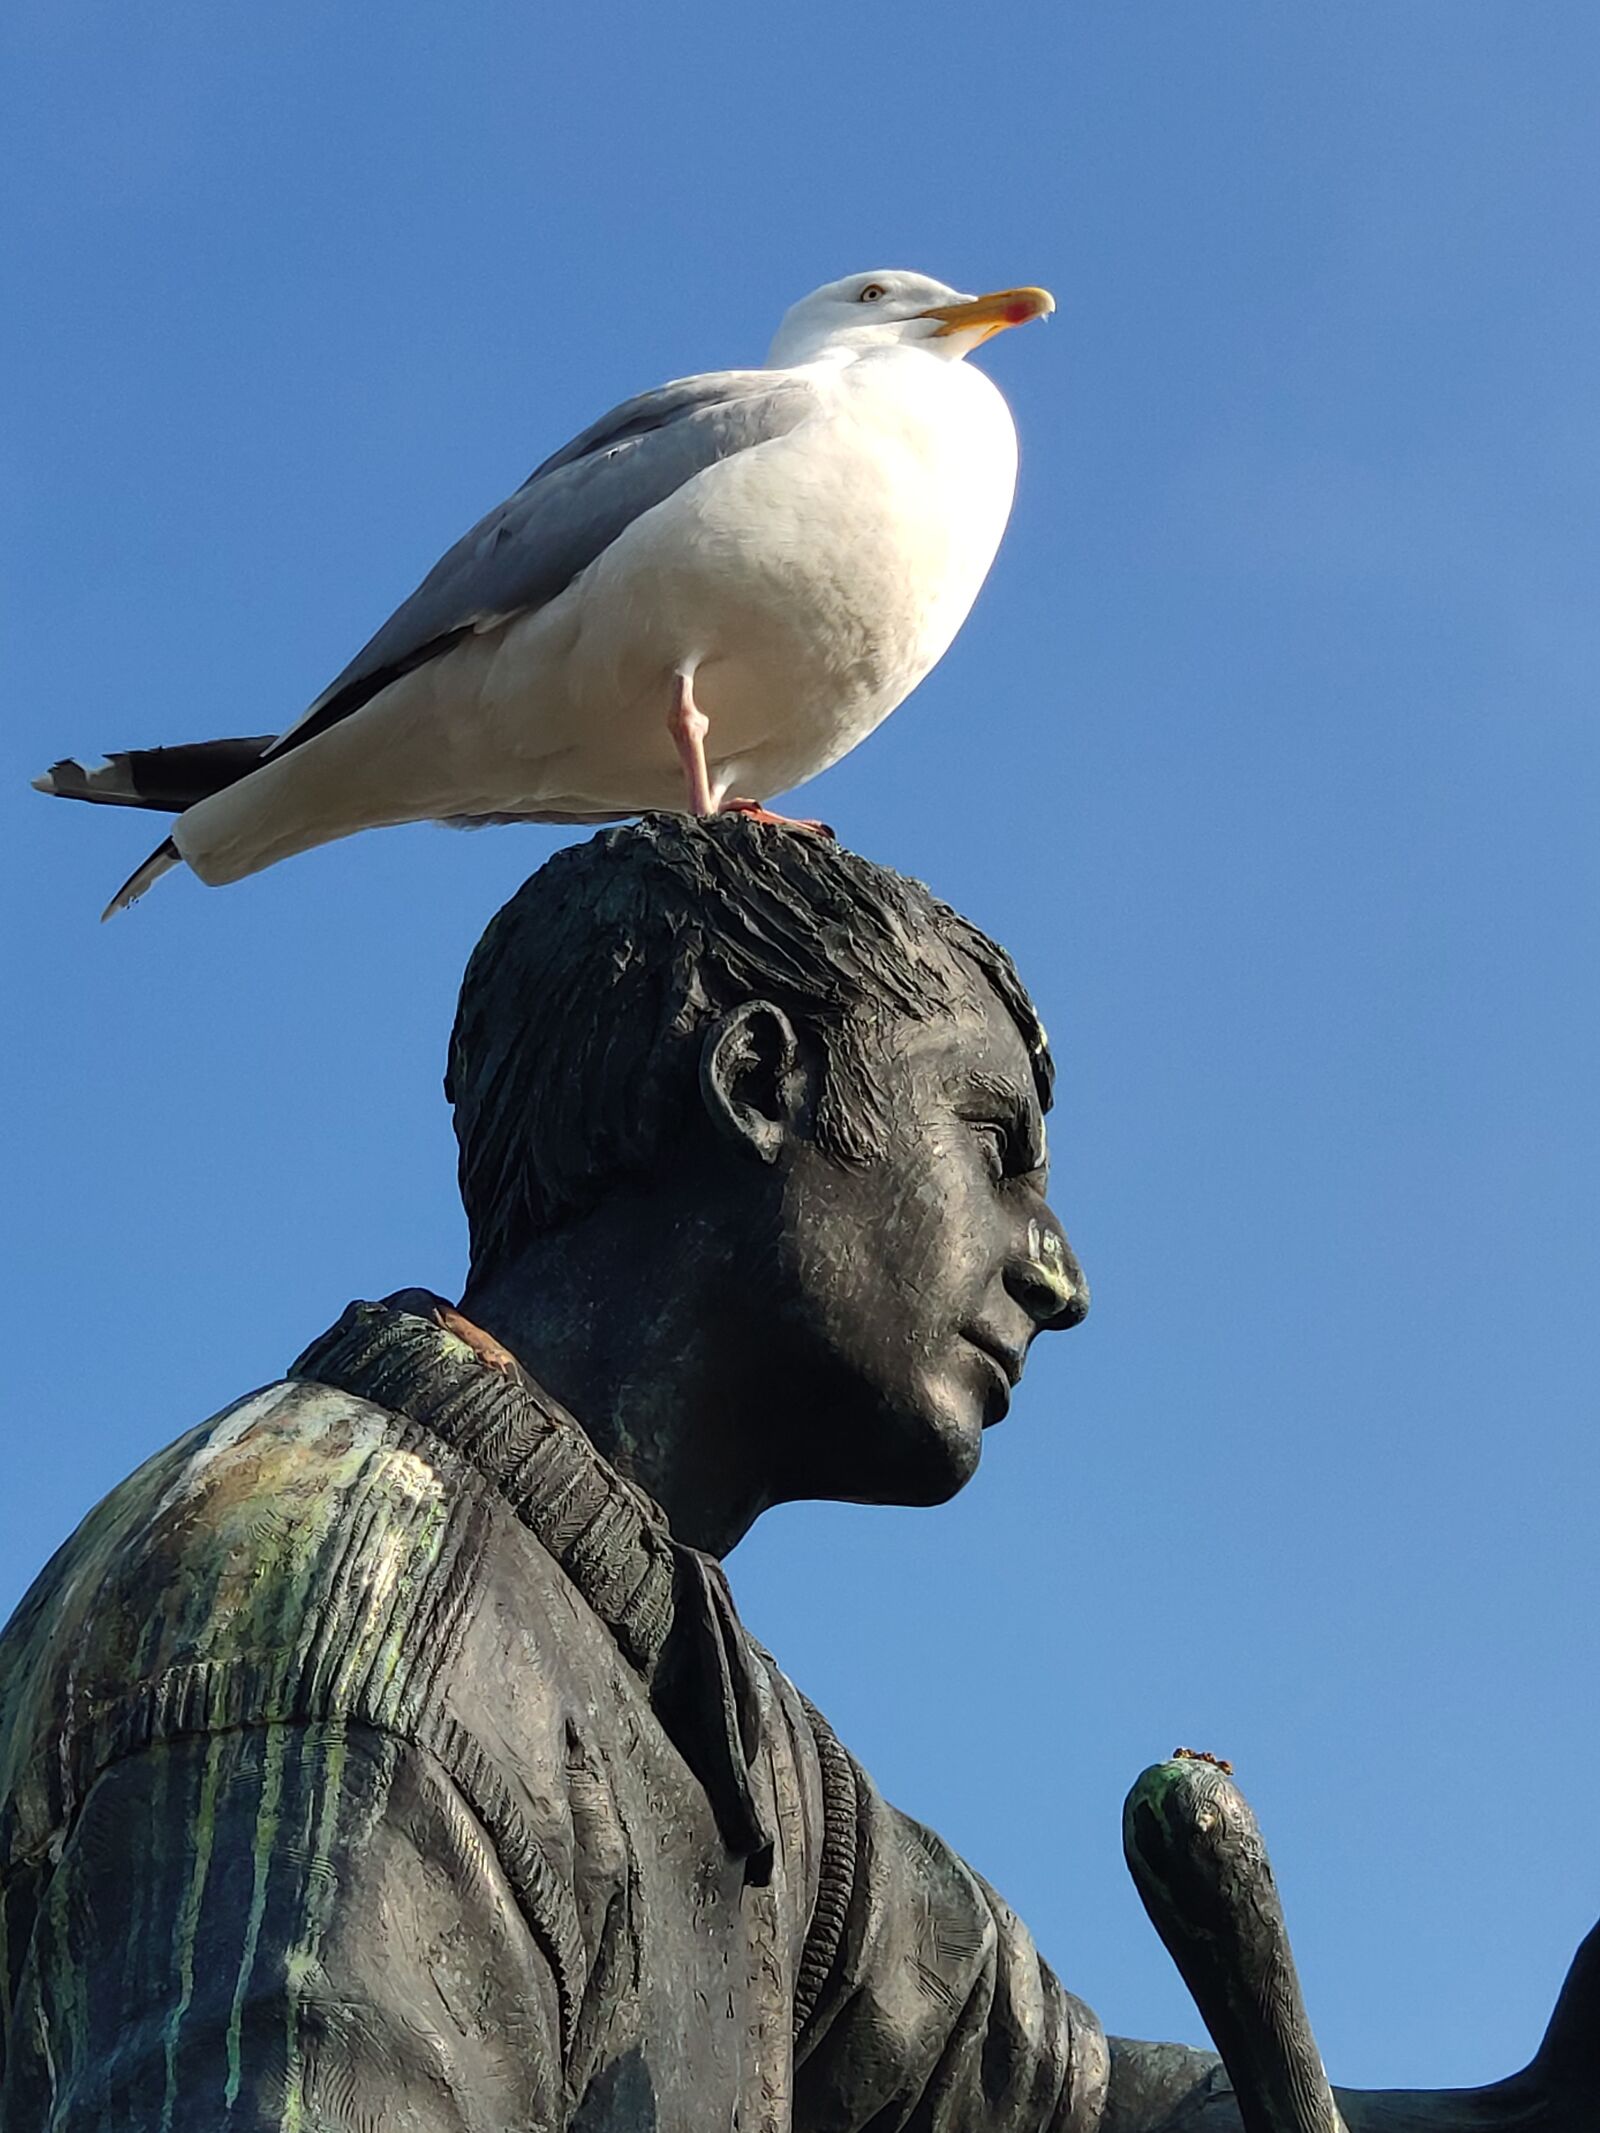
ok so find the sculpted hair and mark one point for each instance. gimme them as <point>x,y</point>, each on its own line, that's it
<point>576,1044</point>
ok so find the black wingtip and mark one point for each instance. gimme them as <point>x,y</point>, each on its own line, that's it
<point>161,861</point>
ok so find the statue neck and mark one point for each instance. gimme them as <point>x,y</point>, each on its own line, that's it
<point>641,1348</point>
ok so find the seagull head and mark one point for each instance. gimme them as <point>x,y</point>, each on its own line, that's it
<point>894,309</point>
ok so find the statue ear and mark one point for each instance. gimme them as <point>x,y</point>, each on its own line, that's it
<point>752,1082</point>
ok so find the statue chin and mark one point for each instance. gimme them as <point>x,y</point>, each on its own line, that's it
<point>943,1473</point>
<point>912,1452</point>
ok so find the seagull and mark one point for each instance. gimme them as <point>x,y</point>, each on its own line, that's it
<point>708,597</point>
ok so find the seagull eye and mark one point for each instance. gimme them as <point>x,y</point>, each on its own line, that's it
<point>873,293</point>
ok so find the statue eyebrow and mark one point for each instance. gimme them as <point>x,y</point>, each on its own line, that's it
<point>996,1085</point>
<point>1021,1111</point>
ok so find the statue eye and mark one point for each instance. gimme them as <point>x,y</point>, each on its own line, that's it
<point>996,1143</point>
<point>873,293</point>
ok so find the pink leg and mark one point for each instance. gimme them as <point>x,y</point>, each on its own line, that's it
<point>688,725</point>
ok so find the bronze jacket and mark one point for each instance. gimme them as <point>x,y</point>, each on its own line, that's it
<point>374,1758</point>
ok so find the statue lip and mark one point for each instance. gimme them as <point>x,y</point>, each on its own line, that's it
<point>1007,1363</point>
<point>1010,1359</point>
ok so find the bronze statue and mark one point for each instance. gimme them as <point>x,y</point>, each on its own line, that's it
<point>387,1753</point>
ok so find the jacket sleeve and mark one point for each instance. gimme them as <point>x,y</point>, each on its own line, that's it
<point>290,1925</point>
<point>933,2011</point>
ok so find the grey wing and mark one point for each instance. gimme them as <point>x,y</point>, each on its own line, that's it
<point>569,510</point>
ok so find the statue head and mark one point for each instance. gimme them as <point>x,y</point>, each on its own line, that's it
<point>812,1086</point>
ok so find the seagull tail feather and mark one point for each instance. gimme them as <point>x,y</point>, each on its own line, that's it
<point>167,778</point>
<point>161,861</point>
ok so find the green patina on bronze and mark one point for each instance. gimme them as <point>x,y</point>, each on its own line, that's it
<point>69,1998</point>
<point>398,1564</point>
<point>261,1853</point>
<point>137,1953</point>
<point>202,1837</point>
<point>300,1960</point>
<point>265,1571</point>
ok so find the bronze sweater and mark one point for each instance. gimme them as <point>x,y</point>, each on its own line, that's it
<point>374,1758</point>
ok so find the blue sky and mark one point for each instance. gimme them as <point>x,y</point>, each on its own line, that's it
<point>1270,749</point>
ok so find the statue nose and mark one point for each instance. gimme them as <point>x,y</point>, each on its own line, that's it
<point>1046,1279</point>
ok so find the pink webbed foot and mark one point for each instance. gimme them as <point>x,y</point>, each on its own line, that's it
<point>755,812</point>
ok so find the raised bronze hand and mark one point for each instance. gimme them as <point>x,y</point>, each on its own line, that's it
<point>1201,1868</point>
<point>1202,1872</point>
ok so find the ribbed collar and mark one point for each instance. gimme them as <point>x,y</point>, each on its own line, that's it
<point>609,1537</point>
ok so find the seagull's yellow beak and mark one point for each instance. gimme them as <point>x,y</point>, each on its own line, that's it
<point>986,315</point>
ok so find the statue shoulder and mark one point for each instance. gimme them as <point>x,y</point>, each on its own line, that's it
<point>234,1504</point>
<point>271,1564</point>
